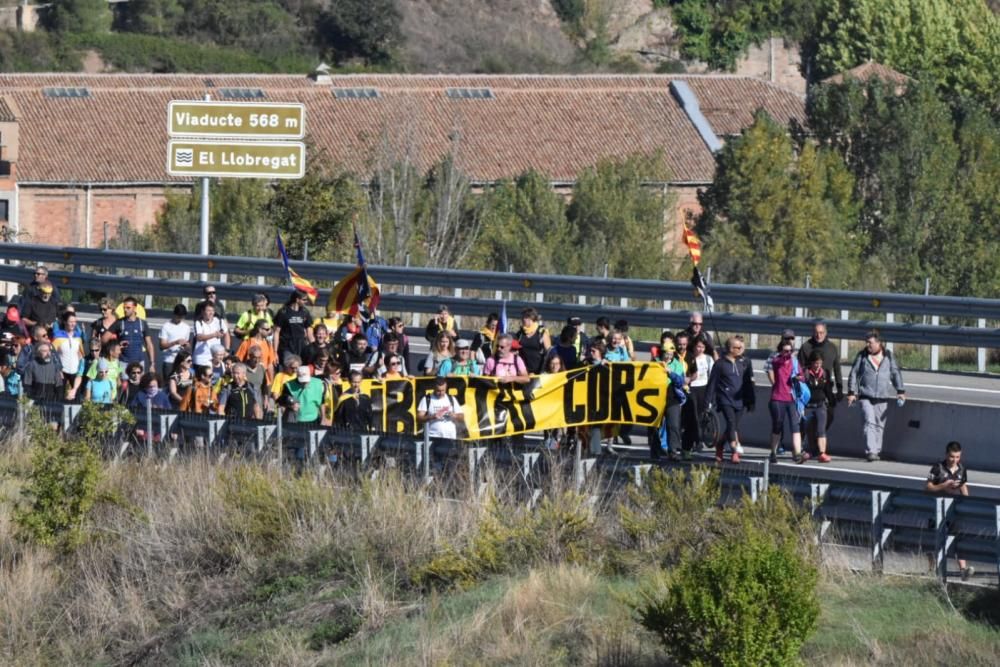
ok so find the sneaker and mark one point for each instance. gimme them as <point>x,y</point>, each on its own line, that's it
<point>739,449</point>
<point>872,458</point>
<point>773,458</point>
<point>802,458</point>
<point>735,458</point>
<point>968,572</point>
<point>781,449</point>
<point>824,458</point>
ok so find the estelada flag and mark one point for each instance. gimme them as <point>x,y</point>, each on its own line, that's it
<point>357,289</point>
<point>298,282</point>
<point>692,242</point>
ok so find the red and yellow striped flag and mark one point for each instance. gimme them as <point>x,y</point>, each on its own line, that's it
<point>344,297</point>
<point>693,244</point>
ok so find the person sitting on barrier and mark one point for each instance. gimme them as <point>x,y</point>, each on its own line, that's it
<point>259,337</point>
<point>238,400</point>
<point>293,326</point>
<point>390,349</point>
<point>821,399</point>
<point>150,394</point>
<point>181,378</point>
<point>951,477</point>
<point>130,383</point>
<point>443,323</point>
<point>442,349</point>
<point>462,363</point>
<point>875,379</point>
<point>533,339</point>
<point>360,358</point>
<point>484,342</point>
<point>505,365</point>
<point>783,371</point>
<point>440,412</point>
<point>43,309</point>
<point>198,398</point>
<point>354,410</point>
<point>731,389</point>
<point>43,377</point>
<point>175,336</point>
<point>101,389</point>
<point>257,312</point>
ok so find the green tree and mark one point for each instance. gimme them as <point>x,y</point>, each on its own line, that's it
<point>525,226</point>
<point>262,26</point>
<point>154,17</point>
<point>75,16</point>
<point>319,208</point>
<point>777,212</point>
<point>368,29</point>
<point>956,43</point>
<point>617,215</point>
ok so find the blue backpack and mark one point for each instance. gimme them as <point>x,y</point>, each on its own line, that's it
<point>800,390</point>
<point>375,329</point>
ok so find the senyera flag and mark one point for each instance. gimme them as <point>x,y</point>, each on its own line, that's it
<point>357,289</point>
<point>298,282</point>
<point>692,242</point>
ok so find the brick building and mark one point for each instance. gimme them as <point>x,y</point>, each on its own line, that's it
<point>79,150</point>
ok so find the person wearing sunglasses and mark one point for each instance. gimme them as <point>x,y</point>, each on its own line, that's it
<point>100,326</point>
<point>39,276</point>
<point>696,332</point>
<point>260,338</point>
<point>258,311</point>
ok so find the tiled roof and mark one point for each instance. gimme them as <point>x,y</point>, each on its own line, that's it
<point>6,113</point>
<point>556,124</point>
<point>870,70</point>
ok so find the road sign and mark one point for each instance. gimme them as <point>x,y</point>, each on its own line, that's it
<point>238,159</point>
<point>253,120</point>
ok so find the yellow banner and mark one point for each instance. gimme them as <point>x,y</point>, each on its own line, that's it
<point>618,393</point>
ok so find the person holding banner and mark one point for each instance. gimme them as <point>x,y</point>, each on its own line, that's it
<point>731,388</point>
<point>439,413</point>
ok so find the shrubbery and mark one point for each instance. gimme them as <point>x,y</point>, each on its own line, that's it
<point>747,597</point>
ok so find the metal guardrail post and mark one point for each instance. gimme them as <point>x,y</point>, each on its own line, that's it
<point>458,318</point>
<point>756,488</point>
<point>889,319</point>
<point>844,347</point>
<point>368,444</point>
<point>767,474</point>
<point>184,300</point>
<point>415,318</point>
<point>998,542</point>
<point>942,540</point>
<point>754,338</point>
<point>427,457</point>
<point>149,429</point>
<point>22,406</point>
<point>935,349</point>
<point>817,495</point>
<point>280,436</point>
<point>638,471</point>
<point>70,412</point>
<point>475,456</point>
<point>148,301</point>
<point>981,352</point>
<point>880,534</point>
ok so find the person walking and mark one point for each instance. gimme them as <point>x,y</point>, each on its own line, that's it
<point>831,364</point>
<point>875,380</point>
<point>783,372</point>
<point>821,400</point>
<point>731,388</point>
<point>699,368</point>
<point>951,478</point>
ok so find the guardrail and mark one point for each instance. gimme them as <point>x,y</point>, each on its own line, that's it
<point>575,289</point>
<point>460,305</point>
<point>877,513</point>
<point>616,288</point>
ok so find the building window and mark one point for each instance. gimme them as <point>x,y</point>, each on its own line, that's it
<point>4,210</point>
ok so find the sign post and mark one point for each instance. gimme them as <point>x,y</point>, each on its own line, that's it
<point>234,140</point>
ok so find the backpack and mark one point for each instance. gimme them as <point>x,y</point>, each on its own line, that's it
<point>374,330</point>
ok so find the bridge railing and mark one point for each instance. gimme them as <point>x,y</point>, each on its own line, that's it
<point>406,287</point>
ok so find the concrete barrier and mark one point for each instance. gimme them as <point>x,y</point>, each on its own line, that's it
<point>915,433</point>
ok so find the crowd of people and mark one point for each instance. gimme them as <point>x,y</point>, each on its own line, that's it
<point>312,368</point>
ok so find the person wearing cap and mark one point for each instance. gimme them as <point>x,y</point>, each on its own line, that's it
<point>293,326</point>
<point>443,322</point>
<point>258,311</point>
<point>101,389</point>
<point>580,340</point>
<point>41,309</point>
<point>462,363</point>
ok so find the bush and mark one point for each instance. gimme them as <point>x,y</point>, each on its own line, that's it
<point>61,488</point>
<point>748,599</point>
<point>561,530</point>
